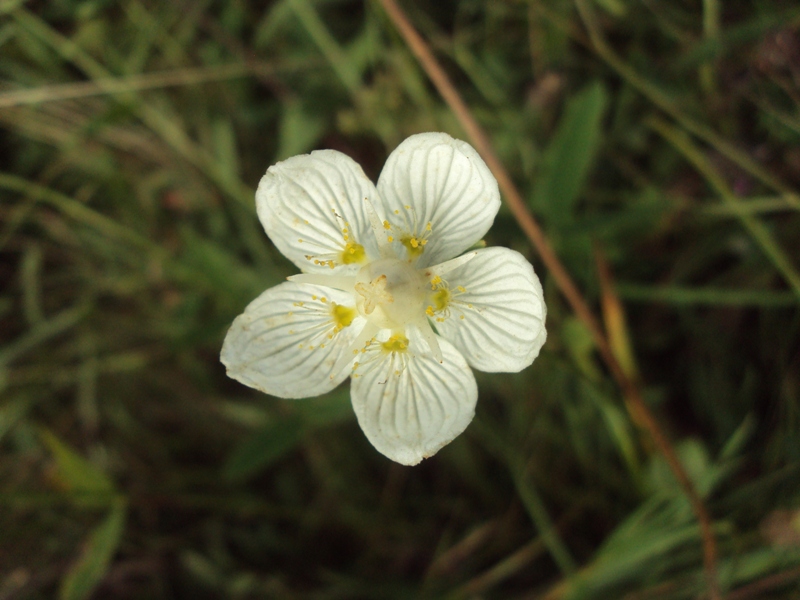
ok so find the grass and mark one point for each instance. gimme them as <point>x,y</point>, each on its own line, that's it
<point>657,139</point>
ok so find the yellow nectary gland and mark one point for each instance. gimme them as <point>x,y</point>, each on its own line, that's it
<point>414,245</point>
<point>342,316</point>
<point>352,253</point>
<point>396,343</point>
<point>390,293</point>
<point>440,299</point>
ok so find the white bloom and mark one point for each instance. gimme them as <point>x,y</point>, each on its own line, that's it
<point>387,295</point>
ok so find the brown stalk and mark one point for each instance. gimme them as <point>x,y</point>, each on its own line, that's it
<point>640,411</point>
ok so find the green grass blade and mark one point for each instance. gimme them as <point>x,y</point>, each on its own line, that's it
<point>569,157</point>
<point>760,234</point>
<point>92,565</point>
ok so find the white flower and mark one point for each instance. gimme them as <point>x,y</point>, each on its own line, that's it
<point>387,295</point>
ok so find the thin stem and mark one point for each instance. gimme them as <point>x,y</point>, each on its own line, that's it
<point>711,31</point>
<point>755,228</point>
<point>757,588</point>
<point>665,103</point>
<point>113,86</point>
<point>531,228</point>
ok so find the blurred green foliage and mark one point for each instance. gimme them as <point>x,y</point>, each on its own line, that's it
<point>661,136</point>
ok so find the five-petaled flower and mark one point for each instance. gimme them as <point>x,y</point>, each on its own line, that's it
<point>391,294</point>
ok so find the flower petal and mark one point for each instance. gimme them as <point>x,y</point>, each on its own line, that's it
<point>287,341</point>
<point>497,322</point>
<point>312,206</point>
<point>433,178</point>
<point>410,406</point>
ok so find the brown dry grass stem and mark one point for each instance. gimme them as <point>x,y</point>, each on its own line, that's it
<point>640,411</point>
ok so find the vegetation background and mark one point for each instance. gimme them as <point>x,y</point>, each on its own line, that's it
<point>657,143</point>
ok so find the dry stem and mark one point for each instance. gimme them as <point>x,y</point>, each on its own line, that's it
<point>530,227</point>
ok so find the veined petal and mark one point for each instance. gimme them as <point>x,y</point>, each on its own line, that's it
<point>496,311</point>
<point>408,404</point>
<point>289,338</point>
<point>312,207</point>
<point>438,191</point>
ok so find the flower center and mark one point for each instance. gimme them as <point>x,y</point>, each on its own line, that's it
<point>390,293</point>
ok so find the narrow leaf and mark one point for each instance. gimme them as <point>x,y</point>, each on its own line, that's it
<point>264,448</point>
<point>569,156</point>
<point>74,472</point>
<point>92,565</point>
<point>299,130</point>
